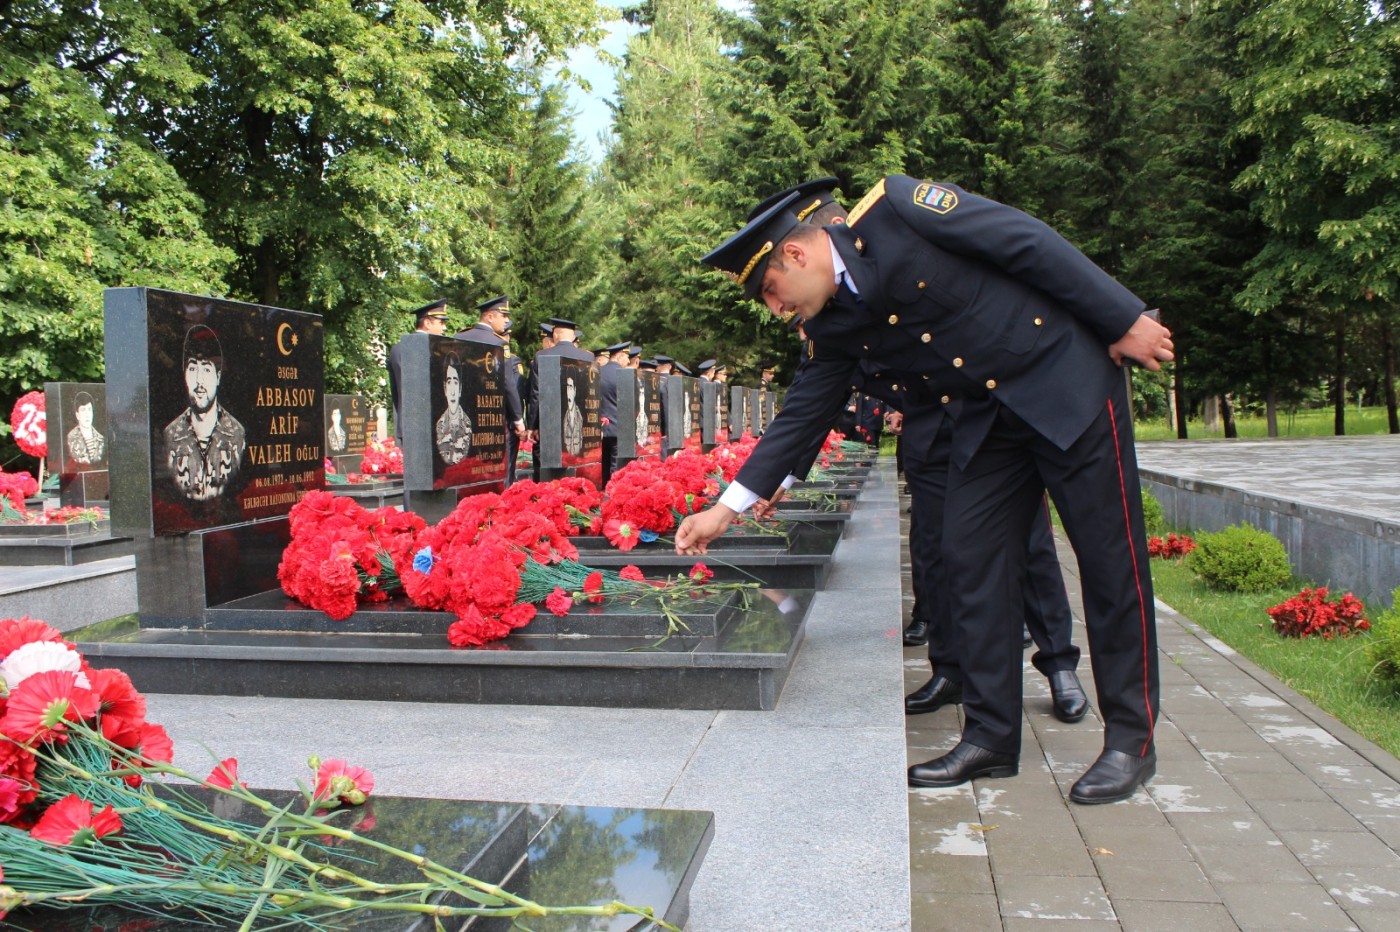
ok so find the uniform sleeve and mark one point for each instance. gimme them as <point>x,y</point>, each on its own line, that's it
<point>808,410</point>
<point>1019,245</point>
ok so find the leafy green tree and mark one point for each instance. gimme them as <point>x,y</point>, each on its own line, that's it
<point>1319,99</point>
<point>85,202</point>
<point>993,95</point>
<point>345,149</point>
<point>545,216</point>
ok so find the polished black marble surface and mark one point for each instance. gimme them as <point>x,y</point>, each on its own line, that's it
<point>742,664</point>
<point>555,855</point>
<point>615,616</point>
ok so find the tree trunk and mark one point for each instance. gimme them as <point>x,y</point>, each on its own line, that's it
<point>1271,411</point>
<point>1210,413</point>
<point>1227,415</point>
<point>1390,408</point>
<point>1179,401</point>
<point>1339,388</point>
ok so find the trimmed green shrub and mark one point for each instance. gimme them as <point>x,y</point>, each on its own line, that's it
<point>1240,559</point>
<point>1384,645</point>
<point>1152,518</point>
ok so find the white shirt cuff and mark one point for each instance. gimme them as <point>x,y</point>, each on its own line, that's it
<point>737,498</point>
<point>789,481</point>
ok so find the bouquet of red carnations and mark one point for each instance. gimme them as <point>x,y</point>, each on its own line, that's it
<point>15,487</point>
<point>86,819</point>
<point>382,458</point>
<point>342,555</point>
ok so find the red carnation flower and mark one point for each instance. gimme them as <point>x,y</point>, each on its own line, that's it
<point>621,534</point>
<point>71,821</point>
<point>10,793</point>
<point>225,774</point>
<point>593,586</point>
<point>335,779</point>
<point>18,764</point>
<point>41,707</point>
<point>632,573</point>
<point>701,573</point>
<point>17,632</point>
<point>559,602</point>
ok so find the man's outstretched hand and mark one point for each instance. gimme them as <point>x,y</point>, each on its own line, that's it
<point>696,531</point>
<point>1147,342</point>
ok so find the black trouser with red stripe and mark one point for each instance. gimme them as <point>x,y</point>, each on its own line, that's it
<point>1047,612</point>
<point>991,506</point>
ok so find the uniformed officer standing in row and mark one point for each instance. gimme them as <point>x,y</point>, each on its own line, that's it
<point>609,381</point>
<point>432,318</point>
<point>933,283</point>
<point>491,329</point>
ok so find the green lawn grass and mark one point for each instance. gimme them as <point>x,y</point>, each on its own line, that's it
<point>1336,675</point>
<point>1312,422</point>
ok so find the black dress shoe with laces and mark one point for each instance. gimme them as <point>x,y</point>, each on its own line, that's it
<point>1115,776</point>
<point>933,695</point>
<point>916,634</point>
<point>1067,695</point>
<point>963,763</point>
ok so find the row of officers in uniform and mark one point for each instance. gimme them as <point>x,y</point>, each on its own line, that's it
<point>558,337</point>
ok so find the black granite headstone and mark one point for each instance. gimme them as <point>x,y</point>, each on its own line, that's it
<point>78,440</point>
<point>571,435</point>
<point>685,412</point>
<point>349,427</point>
<point>740,411</point>
<point>453,413</point>
<point>215,409</point>
<point>712,423</point>
<point>648,414</point>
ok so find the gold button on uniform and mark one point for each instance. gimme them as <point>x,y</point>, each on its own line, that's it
<point>991,383</point>
<point>894,387</point>
<point>923,284</point>
<point>957,362</point>
<point>945,399</point>
<point>1038,321</point>
<point>894,318</point>
<point>926,337</point>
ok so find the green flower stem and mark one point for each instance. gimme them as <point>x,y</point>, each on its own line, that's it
<point>468,886</point>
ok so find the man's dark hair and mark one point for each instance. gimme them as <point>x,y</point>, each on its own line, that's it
<point>80,399</point>
<point>201,342</point>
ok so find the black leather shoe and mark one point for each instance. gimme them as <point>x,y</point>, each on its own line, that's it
<point>916,634</point>
<point>1114,776</point>
<point>933,695</point>
<point>964,762</point>
<point>1068,697</point>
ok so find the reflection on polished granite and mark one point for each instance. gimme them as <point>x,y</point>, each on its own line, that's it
<point>554,855</point>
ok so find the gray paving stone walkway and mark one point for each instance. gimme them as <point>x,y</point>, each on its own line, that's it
<point>1266,813</point>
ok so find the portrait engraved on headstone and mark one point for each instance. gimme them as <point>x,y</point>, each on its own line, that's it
<point>452,434</point>
<point>573,418</point>
<point>214,407</point>
<point>643,421</point>
<point>86,445</point>
<point>205,443</point>
<point>336,437</point>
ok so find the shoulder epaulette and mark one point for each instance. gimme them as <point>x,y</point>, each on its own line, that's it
<point>871,196</point>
